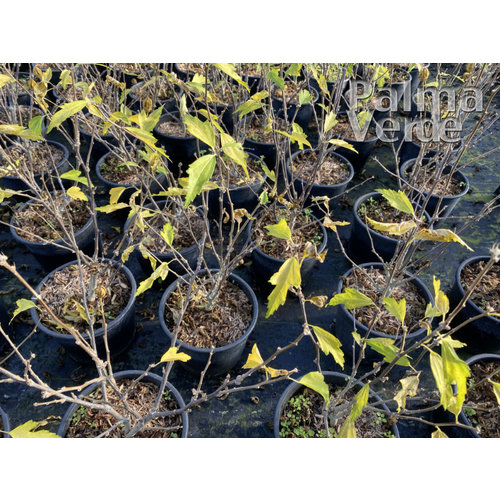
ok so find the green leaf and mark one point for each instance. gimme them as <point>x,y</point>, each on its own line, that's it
<point>329,344</point>
<point>27,430</point>
<point>347,430</point>
<point>247,107</point>
<point>273,75</point>
<point>173,355</point>
<point>167,233</point>
<point>297,136</point>
<point>444,235</point>
<point>330,121</point>
<point>397,309</point>
<point>201,130</point>
<point>351,299</point>
<point>387,348</point>
<point>230,70</point>
<point>146,137</point>
<point>235,151</point>
<point>316,382</point>
<point>199,172</point>
<point>397,200</point>
<point>22,305</point>
<point>76,193</point>
<point>67,110</point>
<point>293,69</point>
<point>304,97</point>
<point>288,275</point>
<point>74,175</point>
<point>280,230</point>
<point>360,401</point>
<point>35,129</point>
<point>160,272</point>
<point>409,386</point>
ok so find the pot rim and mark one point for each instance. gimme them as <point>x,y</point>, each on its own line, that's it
<point>314,185</point>
<point>150,377</point>
<point>458,272</point>
<point>241,283</point>
<point>99,331</point>
<point>275,259</point>
<point>406,165</point>
<point>294,387</point>
<point>416,281</point>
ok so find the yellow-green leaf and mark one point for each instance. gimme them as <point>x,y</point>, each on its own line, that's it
<point>397,200</point>
<point>75,175</point>
<point>441,301</point>
<point>146,137</point>
<point>397,309</point>
<point>167,233</point>
<point>280,230</point>
<point>254,358</point>
<point>160,272</point>
<point>360,401</point>
<point>316,382</point>
<point>330,121</point>
<point>351,299</point>
<point>28,430</point>
<point>173,355</point>
<point>394,228</point>
<point>347,430</point>
<point>304,97</point>
<point>297,136</point>
<point>67,110</point>
<point>199,172</point>
<point>22,305</point>
<point>444,235</point>
<point>76,193</point>
<point>230,70</point>
<point>4,79</point>
<point>409,386</point>
<point>329,344</point>
<point>235,151</point>
<point>386,347</point>
<point>115,193</point>
<point>343,144</point>
<point>201,130</point>
<point>438,433</point>
<point>107,209</point>
<point>126,253</point>
<point>496,390</point>
<point>288,275</point>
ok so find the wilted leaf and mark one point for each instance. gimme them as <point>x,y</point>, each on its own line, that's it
<point>409,386</point>
<point>444,235</point>
<point>396,229</point>
<point>27,430</point>
<point>115,193</point>
<point>76,193</point>
<point>330,224</point>
<point>254,358</point>
<point>167,233</point>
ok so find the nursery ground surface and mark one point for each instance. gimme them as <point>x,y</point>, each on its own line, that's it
<point>248,413</point>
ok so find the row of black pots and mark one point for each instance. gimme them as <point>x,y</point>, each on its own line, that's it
<point>4,419</point>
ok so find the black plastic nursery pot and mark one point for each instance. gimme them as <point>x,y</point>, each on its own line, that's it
<point>330,378</point>
<point>364,148</point>
<point>363,236</point>
<point>48,178</point>
<point>50,255</point>
<point>460,432</point>
<point>262,149</point>
<point>99,148</point>
<point>299,114</point>
<point>156,186</point>
<point>120,331</point>
<point>126,374</point>
<point>179,149</point>
<point>5,427</point>
<point>190,254</point>
<point>264,266</point>
<point>331,191</point>
<point>4,323</point>
<point>345,323</point>
<point>482,333</point>
<point>136,103</point>
<point>448,203</point>
<point>244,196</point>
<point>224,358</point>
